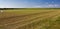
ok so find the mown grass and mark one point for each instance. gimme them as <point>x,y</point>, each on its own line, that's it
<point>51,24</point>
<point>46,23</point>
<point>43,24</point>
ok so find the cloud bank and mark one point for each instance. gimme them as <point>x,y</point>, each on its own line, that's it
<point>28,4</point>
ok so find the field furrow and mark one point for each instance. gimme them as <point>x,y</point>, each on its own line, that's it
<point>39,20</point>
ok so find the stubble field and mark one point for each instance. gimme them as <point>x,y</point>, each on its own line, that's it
<point>30,19</point>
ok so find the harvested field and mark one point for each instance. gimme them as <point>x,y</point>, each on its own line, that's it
<point>30,19</point>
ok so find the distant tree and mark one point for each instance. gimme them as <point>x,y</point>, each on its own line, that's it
<point>1,8</point>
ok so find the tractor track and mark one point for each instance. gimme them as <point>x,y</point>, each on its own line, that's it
<point>37,20</point>
<point>25,23</point>
<point>25,15</point>
<point>21,17</point>
<point>39,25</point>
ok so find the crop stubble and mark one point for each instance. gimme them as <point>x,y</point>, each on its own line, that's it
<point>29,21</point>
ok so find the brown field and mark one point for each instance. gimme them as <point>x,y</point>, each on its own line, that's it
<point>30,19</point>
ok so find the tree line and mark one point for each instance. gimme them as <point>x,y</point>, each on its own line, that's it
<point>24,8</point>
<point>12,8</point>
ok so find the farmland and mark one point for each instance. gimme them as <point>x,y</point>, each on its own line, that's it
<point>30,19</point>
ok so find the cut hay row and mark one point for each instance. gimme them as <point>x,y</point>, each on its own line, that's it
<point>39,20</point>
<point>36,21</point>
<point>20,18</point>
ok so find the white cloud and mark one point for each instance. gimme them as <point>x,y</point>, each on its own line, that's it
<point>25,4</point>
<point>52,5</point>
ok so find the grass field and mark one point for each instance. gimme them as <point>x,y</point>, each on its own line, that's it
<point>30,19</point>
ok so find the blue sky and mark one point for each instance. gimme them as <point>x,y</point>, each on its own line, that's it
<point>29,3</point>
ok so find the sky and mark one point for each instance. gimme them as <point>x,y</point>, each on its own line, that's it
<point>29,3</point>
